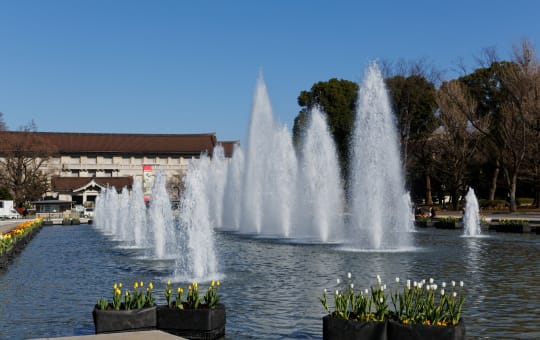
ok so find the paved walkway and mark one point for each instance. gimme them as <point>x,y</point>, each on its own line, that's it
<point>143,335</point>
<point>7,225</point>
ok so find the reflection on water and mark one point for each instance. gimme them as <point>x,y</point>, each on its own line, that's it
<point>270,288</point>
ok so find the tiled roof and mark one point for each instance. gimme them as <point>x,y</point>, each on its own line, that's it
<point>228,147</point>
<point>70,183</point>
<point>117,143</point>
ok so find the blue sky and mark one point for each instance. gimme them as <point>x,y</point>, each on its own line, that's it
<point>191,66</point>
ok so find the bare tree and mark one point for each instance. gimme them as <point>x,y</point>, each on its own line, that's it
<point>456,139</point>
<point>23,154</point>
<point>3,126</point>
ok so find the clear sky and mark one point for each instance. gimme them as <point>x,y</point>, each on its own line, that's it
<point>191,66</point>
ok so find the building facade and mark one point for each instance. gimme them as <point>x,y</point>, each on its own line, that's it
<point>83,164</point>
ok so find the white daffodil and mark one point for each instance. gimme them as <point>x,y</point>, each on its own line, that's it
<point>461,283</point>
<point>397,279</point>
<point>442,291</point>
<point>338,281</point>
<point>443,284</point>
<point>453,283</point>
<point>431,280</point>
<point>349,275</point>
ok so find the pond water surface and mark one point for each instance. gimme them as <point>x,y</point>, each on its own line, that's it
<point>271,288</point>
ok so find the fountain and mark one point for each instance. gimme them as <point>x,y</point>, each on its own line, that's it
<point>380,217</point>
<point>471,218</point>
<point>233,191</point>
<point>161,220</point>
<point>137,216</point>
<point>197,258</point>
<point>270,192</point>
<point>320,197</point>
<point>270,172</point>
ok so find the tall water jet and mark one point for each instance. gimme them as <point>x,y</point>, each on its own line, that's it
<point>161,218</point>
<point>321,193</point>
<point>260,133</point>
<point>471,218</point>
<point>279,186</point>
<point>197,256</point>
<point>378,210</point>
<point>137,215</point>
<point>232,199</point>
<point>124,228</point>
<point>216,185</point>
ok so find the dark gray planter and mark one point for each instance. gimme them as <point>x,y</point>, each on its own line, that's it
<point>396,330</point>
<point>111,321</point>
<point>202,323</point>
<point>341,329</point>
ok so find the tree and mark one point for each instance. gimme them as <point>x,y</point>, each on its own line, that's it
<point>337,98</point>
<point>413,103</point>
<point>23,153</point>
<point>3,126</point>
<point>509,116</point>
<point>456,141</point>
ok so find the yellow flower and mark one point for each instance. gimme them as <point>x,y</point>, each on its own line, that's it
<point>213,283</point>
<point>115,287</point>
<point>180,290</point>
<point>120,285</point>
<point>218,283</point>
<point>118,292</point>
<point>136,285</point>
<point>168,282</point>
<point>141,284</point>
<point>151,286</point>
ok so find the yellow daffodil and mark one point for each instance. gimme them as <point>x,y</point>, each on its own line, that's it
<point>136,285</point>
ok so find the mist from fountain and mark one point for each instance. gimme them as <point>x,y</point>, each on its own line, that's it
<point>160,217</point>
<point>197,259</point>
<point>380,216</point>
<point>137,216</point>
<point>215,185</point>
<point>320,195</point>
<point>124,228</point>
<point>471,218</point>
<point>233,191</point>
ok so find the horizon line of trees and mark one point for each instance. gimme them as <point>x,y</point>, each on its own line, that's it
<point>481,130</point>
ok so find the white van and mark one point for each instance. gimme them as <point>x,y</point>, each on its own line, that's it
<point>7,210</point>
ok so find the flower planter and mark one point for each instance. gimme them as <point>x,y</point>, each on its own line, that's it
<point>518,228</point>
<point>421,224</point>
<point>110,321</point>
<point>396,330</point>
<point>341,329</point>
<point>448,225</point>
<point>202,323</point>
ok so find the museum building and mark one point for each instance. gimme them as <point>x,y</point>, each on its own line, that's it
<point>83,164</point>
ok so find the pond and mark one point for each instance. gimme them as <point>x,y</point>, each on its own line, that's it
<point>271,287</point>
